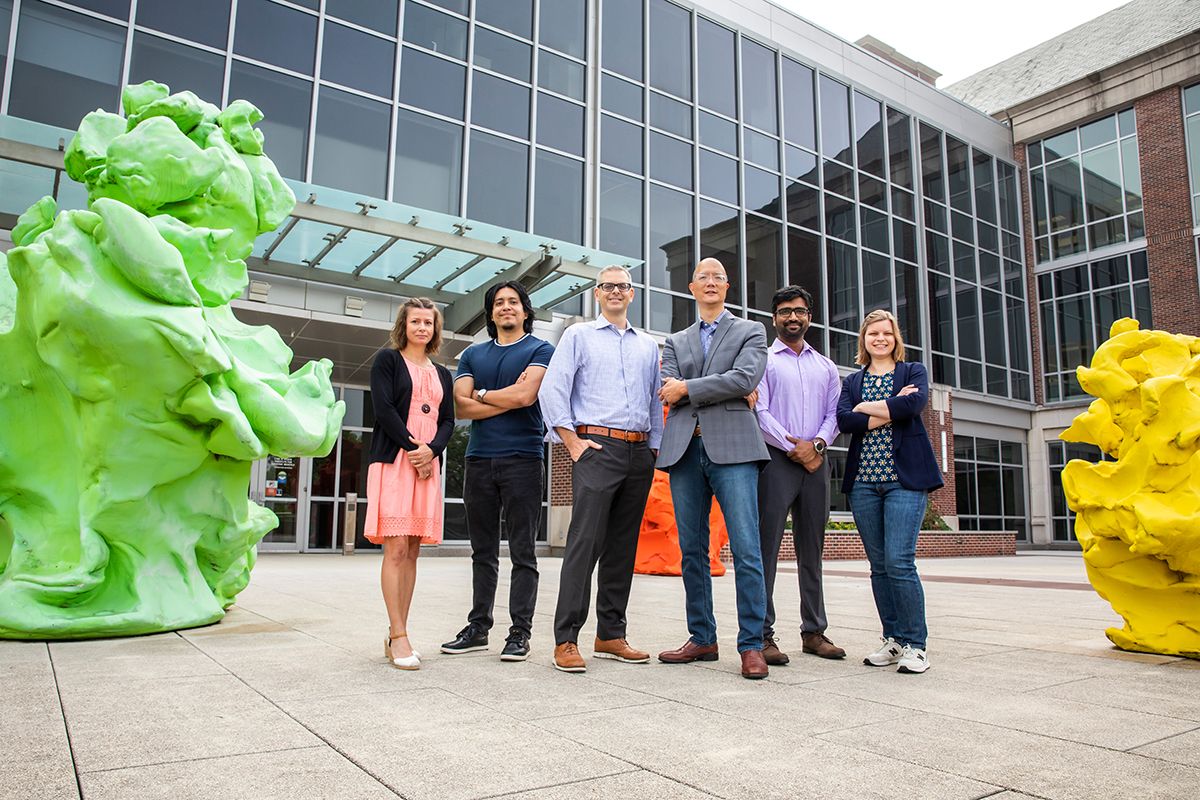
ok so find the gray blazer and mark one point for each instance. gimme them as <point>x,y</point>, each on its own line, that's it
<point>737,359</point>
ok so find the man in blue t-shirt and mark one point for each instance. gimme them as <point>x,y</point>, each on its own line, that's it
<point>497,388</point>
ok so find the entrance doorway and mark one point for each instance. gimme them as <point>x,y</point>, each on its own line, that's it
<point>282,485</point>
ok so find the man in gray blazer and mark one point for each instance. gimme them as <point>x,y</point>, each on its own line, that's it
<point>712,445</point>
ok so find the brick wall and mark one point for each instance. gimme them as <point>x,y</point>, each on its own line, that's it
<point>945,501</point>
<point>1166,198</point>
<point>847,546</point>
<point>560,475</point>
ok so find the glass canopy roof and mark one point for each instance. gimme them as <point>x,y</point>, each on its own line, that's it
<point>373,242</point>
<point>350,240</point>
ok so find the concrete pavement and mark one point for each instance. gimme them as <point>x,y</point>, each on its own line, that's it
<point>290,697</point>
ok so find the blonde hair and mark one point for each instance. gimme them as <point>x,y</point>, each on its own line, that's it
<point>864,357</point>
<point>399,337</point>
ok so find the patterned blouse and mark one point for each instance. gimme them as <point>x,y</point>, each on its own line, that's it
<point>876,462</point>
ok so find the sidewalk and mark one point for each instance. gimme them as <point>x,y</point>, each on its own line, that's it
<point>290,697</point>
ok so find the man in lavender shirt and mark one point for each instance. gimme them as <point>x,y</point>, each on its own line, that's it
<point>599,397</point>
<point>797,411</point>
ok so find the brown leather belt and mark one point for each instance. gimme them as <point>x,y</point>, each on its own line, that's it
<point>697,431</point>
<point>629,436</point>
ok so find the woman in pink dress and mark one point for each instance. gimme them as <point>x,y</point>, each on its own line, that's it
<point>413,400</point>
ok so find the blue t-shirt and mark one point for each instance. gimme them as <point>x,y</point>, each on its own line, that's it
<point>519,431</point>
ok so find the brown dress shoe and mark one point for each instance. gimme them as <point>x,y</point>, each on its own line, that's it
<point>819,644</point>
<point>689,652</point>
<point>753,665</point>
<point>772,654</point>
<point>620,650</point>
<point>567,658</point>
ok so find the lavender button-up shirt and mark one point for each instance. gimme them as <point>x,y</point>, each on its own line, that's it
<point>601,375</point>
<point>798,396</point>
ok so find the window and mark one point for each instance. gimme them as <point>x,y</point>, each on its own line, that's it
<point>1086,187</point>
<point>989,481</point>
<point>1191,110</point>
<point>1062,518</point>
<point>1078,307</point>
<point>65,65</point>
<point>428,168</point>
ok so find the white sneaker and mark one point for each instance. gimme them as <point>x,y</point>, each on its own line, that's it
<point>887,654</point>
<point>912,660</point>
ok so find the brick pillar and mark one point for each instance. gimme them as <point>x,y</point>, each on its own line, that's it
<point>1166,197</point>
<point>561,500</point>
<point>938,420</point>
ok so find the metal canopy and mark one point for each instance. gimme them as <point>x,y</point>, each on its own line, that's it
<point>349,240</point>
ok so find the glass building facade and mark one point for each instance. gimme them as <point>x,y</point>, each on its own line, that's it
<point>651,129</point>
<point>672,139</point>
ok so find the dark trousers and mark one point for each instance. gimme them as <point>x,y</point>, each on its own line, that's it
<point>609,488</point>
<point>782,486</point>
<point>512,487</point>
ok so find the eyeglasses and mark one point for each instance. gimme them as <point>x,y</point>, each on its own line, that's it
<point>609,287</point>
<point>790,313</point>
<point>708,277</point>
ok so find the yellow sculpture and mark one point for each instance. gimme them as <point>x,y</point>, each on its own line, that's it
<point>1138,518</point>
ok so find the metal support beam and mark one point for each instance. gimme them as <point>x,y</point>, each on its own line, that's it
<point>383,248</point>
<point>422,259</point>
<point>427,236</point>
<point>466,314</point>
<point>287,228</point>
<point>337,238</point>
<point>346,280</point>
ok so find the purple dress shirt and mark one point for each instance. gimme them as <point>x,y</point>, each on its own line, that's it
<point>798,396</point>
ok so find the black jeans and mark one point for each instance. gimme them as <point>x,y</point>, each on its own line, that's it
<point>512,486</point>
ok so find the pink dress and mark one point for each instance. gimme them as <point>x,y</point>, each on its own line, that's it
<point>398,502</point>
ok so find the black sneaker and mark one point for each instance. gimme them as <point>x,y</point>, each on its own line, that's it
<point>516,646</point>
<point>469,638</point>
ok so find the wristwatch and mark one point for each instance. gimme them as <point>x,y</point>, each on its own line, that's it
<point>481,393</point>
<point>819,446</point>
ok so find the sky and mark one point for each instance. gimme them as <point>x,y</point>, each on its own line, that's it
<point>953,37</point>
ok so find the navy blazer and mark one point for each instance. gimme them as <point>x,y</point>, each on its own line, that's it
<point>391,395</point>
<point>916,465</point>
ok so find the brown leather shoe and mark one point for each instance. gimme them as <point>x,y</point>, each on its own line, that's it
<point>620,650</point>
<point>772,654</point>
<point>754,666</point>
<point>819,644</point>
<point>688,653</point>
<point>567,658</point>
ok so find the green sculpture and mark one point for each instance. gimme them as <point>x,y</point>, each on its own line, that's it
<point>132,402</point>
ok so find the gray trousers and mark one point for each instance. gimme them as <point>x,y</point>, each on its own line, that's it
<point>782,486</point>
<point>609,489</point>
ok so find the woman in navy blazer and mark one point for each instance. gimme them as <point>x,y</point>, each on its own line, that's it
<point>890,471</point>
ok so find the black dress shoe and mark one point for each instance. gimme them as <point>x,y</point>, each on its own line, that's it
<point>469,638</point>
<point>516,646</point>
<point>688,653</point>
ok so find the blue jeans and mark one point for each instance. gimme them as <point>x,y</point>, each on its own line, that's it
<point>889,517</point>
<point>694,481</point>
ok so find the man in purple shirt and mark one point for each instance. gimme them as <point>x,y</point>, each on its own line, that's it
<point>797,411</point>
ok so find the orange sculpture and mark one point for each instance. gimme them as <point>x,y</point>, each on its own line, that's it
<point>658,540</point>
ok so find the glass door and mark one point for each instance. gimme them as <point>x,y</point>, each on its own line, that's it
<point>281,485</point>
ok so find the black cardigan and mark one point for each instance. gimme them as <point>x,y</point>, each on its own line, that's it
<point>391,396</point>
